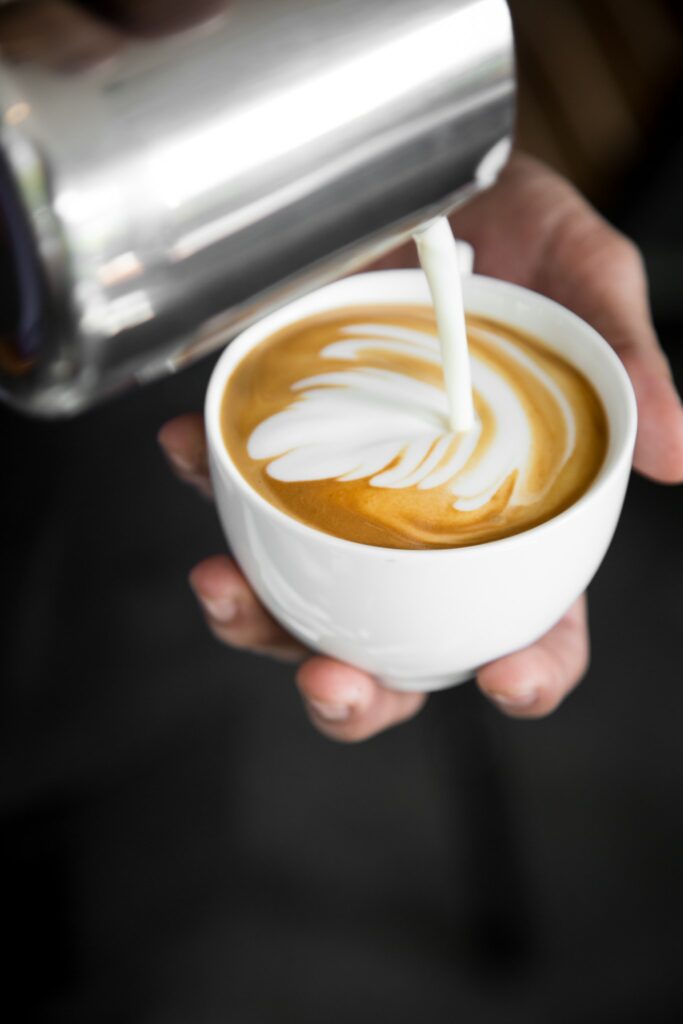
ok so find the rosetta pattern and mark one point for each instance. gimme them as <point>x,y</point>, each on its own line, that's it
<point>391,429</point>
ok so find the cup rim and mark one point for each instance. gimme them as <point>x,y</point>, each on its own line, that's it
<point>261,329</point>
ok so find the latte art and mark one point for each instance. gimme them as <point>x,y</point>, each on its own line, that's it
<point>341,421</point>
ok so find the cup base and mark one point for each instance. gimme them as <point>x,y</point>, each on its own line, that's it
<point>427,684</point>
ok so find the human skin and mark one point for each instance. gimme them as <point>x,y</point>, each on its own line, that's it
<point>69,37</point>
<point>532,228</point>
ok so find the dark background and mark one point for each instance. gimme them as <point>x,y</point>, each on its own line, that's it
<point>178,846</point>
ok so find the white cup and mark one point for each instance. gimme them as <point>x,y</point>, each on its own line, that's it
<point>424,620</point>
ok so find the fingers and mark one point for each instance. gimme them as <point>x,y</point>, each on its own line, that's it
<point>600,275</point>
<point>347,704</point>
<point>342,702</point>
<point>533,682</point>
<point>535,229</point>
<point>234,614</point>
<point>183,442</point>
<point>57,35</point>
<point>659,444</point>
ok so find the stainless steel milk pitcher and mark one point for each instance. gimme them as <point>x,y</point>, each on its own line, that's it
<point>171,171</point>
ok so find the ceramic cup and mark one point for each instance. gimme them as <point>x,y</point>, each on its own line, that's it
<point>424,620</point>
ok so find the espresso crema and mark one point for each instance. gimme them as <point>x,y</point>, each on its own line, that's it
<point>340,421</point>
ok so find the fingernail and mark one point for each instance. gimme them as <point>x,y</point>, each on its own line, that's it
<point>180,462</point>
<point>220,609</point>
<point>330,711</point>
<point>515,700</point>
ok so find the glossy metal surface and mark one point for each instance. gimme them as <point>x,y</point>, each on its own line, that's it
<point>168,176</point>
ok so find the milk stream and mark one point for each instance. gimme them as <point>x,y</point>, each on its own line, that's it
<point>439,259</point>
<point>349,413</point>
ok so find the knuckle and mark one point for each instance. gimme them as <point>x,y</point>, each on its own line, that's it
<point>552,697</point>
<point>583,668</point>
<point>625,255</point>
<point>223,634</point>
<point>241,639</point>
<point>413,707</point>
<point>598,247</point>
<point>254,637</point>
<point>234,635</point>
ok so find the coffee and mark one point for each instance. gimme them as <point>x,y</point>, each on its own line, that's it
<point>340,421</point>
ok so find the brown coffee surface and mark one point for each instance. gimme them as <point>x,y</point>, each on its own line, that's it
<point>545,401</point>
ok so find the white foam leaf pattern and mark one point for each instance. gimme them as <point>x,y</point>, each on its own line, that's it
<point>392,429</point>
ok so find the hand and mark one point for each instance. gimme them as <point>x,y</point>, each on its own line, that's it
<point>60,35</point>
<point>534,229</point>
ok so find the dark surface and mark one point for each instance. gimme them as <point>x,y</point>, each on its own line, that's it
<point>179,847</point>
